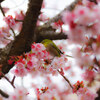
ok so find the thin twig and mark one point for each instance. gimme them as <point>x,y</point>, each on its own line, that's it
<point>19,20</point>
<point>2,10</point>
<point>11,82</point>
<point>13,32</point>
<point>4,94</point>
<point>65,79</point>
<point>69,56</point>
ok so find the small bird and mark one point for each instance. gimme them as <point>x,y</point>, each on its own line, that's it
<point>52,48</point>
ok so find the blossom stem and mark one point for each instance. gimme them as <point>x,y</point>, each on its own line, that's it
<point>13,32</point>
<point>69,56</point>
<point>65,79</point>
<point>18,20</point>
<point>13,80</point>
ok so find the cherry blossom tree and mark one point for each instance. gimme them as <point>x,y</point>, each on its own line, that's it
<point>22,54</point>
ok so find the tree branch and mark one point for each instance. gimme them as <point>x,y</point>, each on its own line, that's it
<point>59,16</point>
<point>50,35</point>
<point>11,82</point>
<point>1,1</point>
<point>98,92</point>
<point>27,35</point>
<point>23,41</point>
<point>2,10</point>
<point>4,94</point>
<point>46,30</point>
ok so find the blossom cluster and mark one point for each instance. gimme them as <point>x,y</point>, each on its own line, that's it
<point>15,23</point>
<point>77,86</point>
<point>47,95</point>
<point>4,35</point>
<point>82,92</point>
<point>11,24</point>
<point>20,93</point>
<point>89,75</point>
<point>83,22</point>
<point>52,92</point>
<point>86,94</point>
<point>58,25</point>
<point>10,21</point>
<point>37,60</point>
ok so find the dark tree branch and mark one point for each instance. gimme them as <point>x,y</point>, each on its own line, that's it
<point>11,82</point>
<point>52,36</point>
<point>48,34</point>
<point>4,94</point>
<point>24,40</point>
<point>98,98</point>
<point>46,30</point>
<point>1,1</point>
<point>2,10</point>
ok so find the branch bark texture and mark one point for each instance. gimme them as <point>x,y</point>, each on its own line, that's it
<point>23,41</point>
<point>28,34</point>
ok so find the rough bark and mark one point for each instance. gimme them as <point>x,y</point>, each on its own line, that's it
<point>23,41</point>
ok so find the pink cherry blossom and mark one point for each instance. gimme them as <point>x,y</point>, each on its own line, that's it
<point>20,93</point>
<point>86,94</point>
<point>20,70</point>
<point>89,75</point>
<point>10,20</point>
